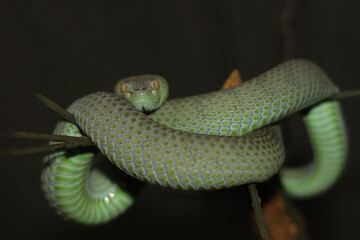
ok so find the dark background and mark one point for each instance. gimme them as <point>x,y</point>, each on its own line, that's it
<point>66,49</point>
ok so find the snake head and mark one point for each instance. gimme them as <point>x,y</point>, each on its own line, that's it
<point>145,92</point>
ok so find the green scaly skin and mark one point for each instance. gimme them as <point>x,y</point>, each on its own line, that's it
<point>160,154</point>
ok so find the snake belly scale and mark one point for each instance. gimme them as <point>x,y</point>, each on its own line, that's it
<point>208,141</point>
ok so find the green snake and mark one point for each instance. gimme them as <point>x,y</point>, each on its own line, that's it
<point>216,140</point>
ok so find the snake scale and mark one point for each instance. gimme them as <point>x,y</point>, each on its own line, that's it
<point>209,141</point>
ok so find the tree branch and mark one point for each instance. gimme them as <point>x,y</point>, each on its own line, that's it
<point>32,150</point>
<point>346,94</point>
<point>70,140</point>
<point>56,108</point>
<point>288,32</point>
<point>259,217</point>
<point>66,142</point>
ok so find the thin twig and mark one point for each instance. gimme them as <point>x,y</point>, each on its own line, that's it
<point>259,216</point>
<point>55,107</point>
<point>32,150</point>
<point>346,94</point>
<point>66,142</point>
<point>288,29</point>
<point>80,141</point>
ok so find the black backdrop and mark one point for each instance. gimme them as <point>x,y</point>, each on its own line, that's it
<point>66,49</point>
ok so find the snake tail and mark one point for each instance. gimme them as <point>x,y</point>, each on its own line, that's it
<point>327,132</point>
<point>77,191</point>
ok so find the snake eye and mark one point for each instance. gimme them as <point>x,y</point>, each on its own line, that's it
<point>156,85</point>
<point>123,88</point>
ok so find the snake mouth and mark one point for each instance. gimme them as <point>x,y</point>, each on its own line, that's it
<point>147,111</point>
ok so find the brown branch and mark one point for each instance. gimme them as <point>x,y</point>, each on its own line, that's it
<point>259,216</point>
<point>55,107</point>
<point>233,80</point>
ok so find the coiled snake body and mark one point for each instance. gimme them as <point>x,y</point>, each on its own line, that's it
<point>174,146</point>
